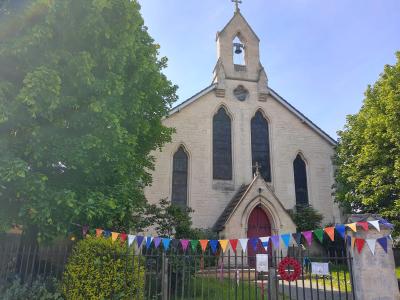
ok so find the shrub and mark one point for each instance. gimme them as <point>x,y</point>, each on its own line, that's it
<point>38,289</point>
<point>101,269</point>
<point>306,218</point>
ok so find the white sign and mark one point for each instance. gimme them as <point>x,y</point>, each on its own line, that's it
<point>319,268</point>
<point>262,262</point>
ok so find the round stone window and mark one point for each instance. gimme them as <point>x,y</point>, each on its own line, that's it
<point>241,93</point>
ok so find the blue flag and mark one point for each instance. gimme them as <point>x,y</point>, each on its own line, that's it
<point>165,242</point>
<point>149,239</point>
<point>214,245</point>
<point>139,240</point>
<point>341,229</point>
<point>297,237</point>
<point>254,242</point>
<point>286,239</point>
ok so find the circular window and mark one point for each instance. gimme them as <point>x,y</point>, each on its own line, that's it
<point>240,93</point>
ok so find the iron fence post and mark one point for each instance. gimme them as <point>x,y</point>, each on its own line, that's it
<point>273,284</point>
<point>164,277</point>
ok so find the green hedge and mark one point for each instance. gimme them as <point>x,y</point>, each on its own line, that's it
<point>101,269</point>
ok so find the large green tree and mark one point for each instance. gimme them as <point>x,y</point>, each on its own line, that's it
<point>368,153</point>
<point>82,95</point>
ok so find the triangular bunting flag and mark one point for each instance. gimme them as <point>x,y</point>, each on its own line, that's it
<point>213,245</point>
<point>364,225</point>
<point>264,242</point>
<point>308,236</point>
<point>99,232</point>
<point>275,241</point>
<point>139,240</point>
<point>243,244</point>
<point>286,239</point>
<point>375,224</point>
<point>193,244</point>
<point>352,226</point>
<point>131,238</point>
<point>341,229</point>
<point>106,233</point>
<point>185,244</point>
<point>149,239</point>
<point>157,241</point>
<point>233,243</point>
<point>166,242</point>
<point>359,244</point>
<point>254,242</point>
<point>224,244</point>
<point>383,242</point>
<point>330,231</point>
<point>319,233</point>
<point>123,237</point>
<point>371,245</point>
<point>114,236</point>
<point>203,244</point>
<point>297,237</point>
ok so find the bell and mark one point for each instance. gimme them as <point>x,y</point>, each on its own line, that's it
<point>238,48</point>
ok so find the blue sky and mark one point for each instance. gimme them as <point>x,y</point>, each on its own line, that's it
<point>319,55</point>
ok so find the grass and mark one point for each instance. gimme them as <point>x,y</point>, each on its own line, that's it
<point>340,277</point>
<point>398,272</point>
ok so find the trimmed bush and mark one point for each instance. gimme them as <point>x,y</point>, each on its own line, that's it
<point>101,269</point>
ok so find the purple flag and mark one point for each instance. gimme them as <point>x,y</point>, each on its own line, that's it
<point>139,240</point>
<point>157,242</point>
<point>275,240</point>
<point>308,236</point>
<point>184,244</point>
<point>383,242</point>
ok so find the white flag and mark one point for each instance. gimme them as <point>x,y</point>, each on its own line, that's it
<point>131,238</point>
<point>375,224</point>
<point>371,245</point>
<point>243,243</point>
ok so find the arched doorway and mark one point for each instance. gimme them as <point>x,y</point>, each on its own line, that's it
<point>258,226</point>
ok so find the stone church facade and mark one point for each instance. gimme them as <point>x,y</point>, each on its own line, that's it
<point>242,156</point>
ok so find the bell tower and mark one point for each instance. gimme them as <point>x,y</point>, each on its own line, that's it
<point>238,56</point>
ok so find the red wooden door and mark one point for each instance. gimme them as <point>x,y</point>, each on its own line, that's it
<point>258,226</point>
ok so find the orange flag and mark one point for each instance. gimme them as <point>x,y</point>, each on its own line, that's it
<point>114,236</point>
<point>330,231</point>
<point>364,225</point>
<point>353,239</point>
<point>203,244</point>
<point>224,244</point>
<point>99,232</point>
<point>352,226</point>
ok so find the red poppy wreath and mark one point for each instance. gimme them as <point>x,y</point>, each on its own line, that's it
<point>283,267</point>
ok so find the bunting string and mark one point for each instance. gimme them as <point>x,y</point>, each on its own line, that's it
<point>264,242</point>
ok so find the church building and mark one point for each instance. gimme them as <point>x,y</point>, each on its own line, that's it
<point>242,156</point>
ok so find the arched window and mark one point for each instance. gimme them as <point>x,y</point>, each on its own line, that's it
<point>260,145</point>
<point>300,181</point>
<point>222,146</point>
<point>180,178</point>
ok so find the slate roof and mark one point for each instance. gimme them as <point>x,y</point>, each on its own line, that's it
<point>219,225</point>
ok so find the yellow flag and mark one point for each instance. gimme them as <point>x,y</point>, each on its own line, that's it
<point>114,236</point>
<point>353,239</point>
<point>352,226</point>
<point>224,244</point>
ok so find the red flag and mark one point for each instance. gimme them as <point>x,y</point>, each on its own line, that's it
<point>359,244</point>
<point>364,225</point>
<point>123,237</point>
<point>233,244</point>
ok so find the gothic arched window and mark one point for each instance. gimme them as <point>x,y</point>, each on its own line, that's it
<point>180,178</point>
<point>300,181</point>
<point>222,146</point>
<point>260,145</point>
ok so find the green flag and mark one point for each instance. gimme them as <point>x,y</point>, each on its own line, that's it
<point>194,244</point>
<point>319,233</point>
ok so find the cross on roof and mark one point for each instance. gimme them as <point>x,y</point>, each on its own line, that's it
<point>237,2</point>
<point>257,169</point>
